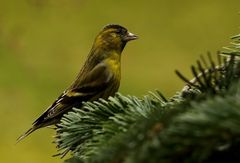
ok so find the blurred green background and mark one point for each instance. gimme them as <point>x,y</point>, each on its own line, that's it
<point>43,44</point>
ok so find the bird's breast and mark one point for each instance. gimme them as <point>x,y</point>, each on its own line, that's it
<point>114,65</point>
<point>114,68</point>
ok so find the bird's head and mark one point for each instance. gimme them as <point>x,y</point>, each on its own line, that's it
<point>114,37</point>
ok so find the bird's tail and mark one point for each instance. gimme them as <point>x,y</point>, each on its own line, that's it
<point>33,128</point>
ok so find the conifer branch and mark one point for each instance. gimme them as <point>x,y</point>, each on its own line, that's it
<point>201,123</point>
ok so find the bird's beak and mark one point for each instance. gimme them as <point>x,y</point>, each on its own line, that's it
<point>130,36</point>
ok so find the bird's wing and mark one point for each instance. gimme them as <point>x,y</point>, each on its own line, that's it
<point>96,80</point>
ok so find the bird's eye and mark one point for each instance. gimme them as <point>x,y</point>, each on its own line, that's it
<point>119,31</point>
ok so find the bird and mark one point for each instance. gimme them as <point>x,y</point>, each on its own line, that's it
<point>99,77</point>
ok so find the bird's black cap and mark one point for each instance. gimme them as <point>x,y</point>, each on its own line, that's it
<point>116,26</point>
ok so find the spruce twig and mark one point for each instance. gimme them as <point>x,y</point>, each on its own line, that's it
<point>155,129</point>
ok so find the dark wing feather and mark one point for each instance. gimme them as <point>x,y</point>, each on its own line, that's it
<point>95,81</point>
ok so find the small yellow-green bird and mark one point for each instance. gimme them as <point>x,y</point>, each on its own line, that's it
<point>98,78</point>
